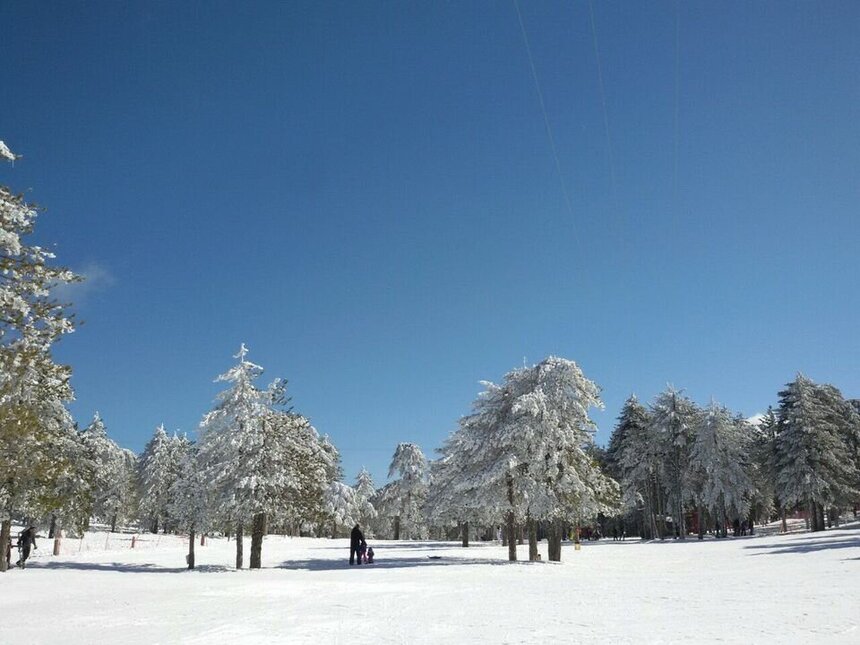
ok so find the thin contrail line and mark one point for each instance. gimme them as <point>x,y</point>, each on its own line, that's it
<point>546,122</point>
<point>676,132</point>
<point>609,154</point>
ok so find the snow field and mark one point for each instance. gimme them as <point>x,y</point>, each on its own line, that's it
<point>796,588</point>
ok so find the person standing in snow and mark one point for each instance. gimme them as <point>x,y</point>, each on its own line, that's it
<point>356,540</point>
<point>26,539</point>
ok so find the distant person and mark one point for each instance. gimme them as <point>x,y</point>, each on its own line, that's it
<point>26,539</point>
<point>356,539</point>
<point>362,553</point>
<point>370,555</point>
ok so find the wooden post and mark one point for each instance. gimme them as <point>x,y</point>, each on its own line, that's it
<point>133,540</point>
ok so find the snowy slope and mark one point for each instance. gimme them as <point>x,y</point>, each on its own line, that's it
<point>796,588</point>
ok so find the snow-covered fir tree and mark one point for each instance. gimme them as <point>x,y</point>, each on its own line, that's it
<point>111,482</point>
<point>32,385</point>
<point>673,419</point>
<point>634,460</point>
<point>717,477</point>
<point>258,457</point>
<point>343,507</point>
<point>762,468</point>
<point>404,497</point>
<point>158,469</point>
<point>523,453</point>
<point>814,465</point>
<point>189,499</point>
<point>364,491</point>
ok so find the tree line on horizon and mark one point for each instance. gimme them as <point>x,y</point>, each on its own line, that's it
<point>522,463</point>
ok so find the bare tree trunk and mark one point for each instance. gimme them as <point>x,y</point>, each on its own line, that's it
<point>239,536</point>
<point>511,528</point>
<point>257,532</point>
<point>112,523</point>
<point>191,549</point>
<point>5,536</point>
<point>701,522</point>
<point>397,528</point>
<point>58,536</point>
<point>682,527</point>
<point>465,529</point>
<point>553,539</point>
<point>512,538</point>
<point>155,525</point>
<point>53,529</point>
<point>533,544</point>
<point>784,521</point>
<point>821,525</point>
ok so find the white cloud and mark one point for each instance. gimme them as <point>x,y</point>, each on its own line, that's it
<point>96,278</point>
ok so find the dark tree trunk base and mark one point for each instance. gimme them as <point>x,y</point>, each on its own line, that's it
<point>191,549</point>
<point>258,531</point>
<point>239,554</point>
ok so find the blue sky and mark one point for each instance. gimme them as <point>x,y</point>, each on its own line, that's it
<point>366,195</point>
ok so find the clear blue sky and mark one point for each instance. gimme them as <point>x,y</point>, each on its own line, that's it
<point>366,195</point>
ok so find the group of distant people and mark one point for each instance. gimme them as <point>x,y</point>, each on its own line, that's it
<point>26,541</point>
<point>358,549</point>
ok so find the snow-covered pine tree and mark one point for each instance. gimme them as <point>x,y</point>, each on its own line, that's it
<point>32,385</point>
<point>189,499</point>
<point>364,491</point>
<point>343,507</point>
<point>632,453</point>
<point>256,455</point>
<point>443,506</point>
<point>312,461</point>
<point>763,467</point>
<point>158,469</point>
<point>111,468</point>
<point>673,417</point>
<point>231,438</point>
<point>716,469</point>
<point>407,492</point>
<point>523,453</point>
<point>553,433</point>
<point>814,467</point>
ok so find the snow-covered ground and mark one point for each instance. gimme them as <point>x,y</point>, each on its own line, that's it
<point>795,588</point>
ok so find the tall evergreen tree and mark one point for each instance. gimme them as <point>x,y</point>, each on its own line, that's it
<point>406,494</point>
<point>32,385</point>
<point>159,468</point>
<point>673,417</point>
<point>814,467</point>
<point>364,491</point>
<point>634,461</point>
<point>718,478</point>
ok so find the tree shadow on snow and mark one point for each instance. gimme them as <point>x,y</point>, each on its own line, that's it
<point>394,563</point>
<point>808,545</point>
<point>380,546</point>
<point>124,567</point>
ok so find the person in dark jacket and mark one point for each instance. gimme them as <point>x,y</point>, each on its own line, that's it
<point>356,539</point>
<point>26,539</point>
